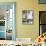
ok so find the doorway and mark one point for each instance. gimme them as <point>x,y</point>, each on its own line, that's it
<point>7,21</point>
<point>42,22</point>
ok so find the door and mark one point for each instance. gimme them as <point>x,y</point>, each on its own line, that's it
<point>8,15</point>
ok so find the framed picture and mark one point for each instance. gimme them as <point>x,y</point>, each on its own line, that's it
<point>42,1</point>
<point>27,16</point>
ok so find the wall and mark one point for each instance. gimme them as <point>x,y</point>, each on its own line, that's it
<point>28,31</point>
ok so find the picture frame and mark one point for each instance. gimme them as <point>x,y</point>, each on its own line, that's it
<point>42,1</point>
<point>27,17</point>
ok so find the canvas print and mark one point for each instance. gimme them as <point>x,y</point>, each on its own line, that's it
<point>27,17</point>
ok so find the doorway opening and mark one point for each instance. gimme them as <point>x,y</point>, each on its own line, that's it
<point>42,22</point>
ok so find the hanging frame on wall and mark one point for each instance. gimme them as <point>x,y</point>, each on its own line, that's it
<point>27,17</point>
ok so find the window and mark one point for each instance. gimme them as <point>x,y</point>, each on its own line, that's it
<point>42,22</point>
<point>7,21</point>
<point>42,1</point>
